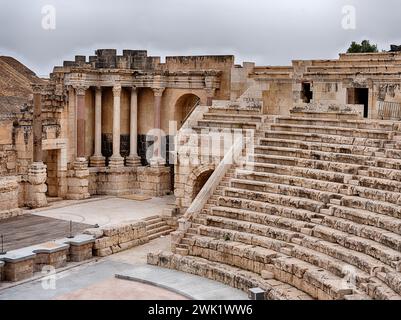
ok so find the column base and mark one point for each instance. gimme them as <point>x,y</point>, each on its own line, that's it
<point>37,188</point>
<point>157,162</point>
<point>97,161</point>
<point>133,161</point>
<point>116,162</point>
<point>78,182</point>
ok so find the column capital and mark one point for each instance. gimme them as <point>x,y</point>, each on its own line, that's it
<point>117,90</point>
<point>158,92</point>
<point>134,89</point>
<point>98,88</point>
<point>80,89</point>
<point>37,88</point>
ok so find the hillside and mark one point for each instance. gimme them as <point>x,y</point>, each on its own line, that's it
<point>15,78</point>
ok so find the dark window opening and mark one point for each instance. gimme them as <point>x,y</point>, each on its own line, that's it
<point>359,96</point>
<point>306,93</point>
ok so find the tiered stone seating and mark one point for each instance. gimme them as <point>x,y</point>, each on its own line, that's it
<point>317,207</point>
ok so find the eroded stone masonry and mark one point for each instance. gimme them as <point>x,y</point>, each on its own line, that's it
<point>308,208</point>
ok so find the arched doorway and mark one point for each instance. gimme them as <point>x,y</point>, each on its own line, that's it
<point>200,182</point>
<point>184,106</point>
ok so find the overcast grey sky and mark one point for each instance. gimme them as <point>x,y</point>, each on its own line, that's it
<point>264,31</point>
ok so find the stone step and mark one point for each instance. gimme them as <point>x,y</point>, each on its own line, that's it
<point>379,235</point>
<point>261,218</point>
<point>162,231</point>
<point>325,138</point>
<point>354,124</point>
<point>369,218</point>
<point>330,176</point>
<point>329,233</point>
<point>238,110</point>
<point>347,132</point>
<point>322,283</point>
<point>254,228</point>
<point>331,251</point>
<point>284,189</point>
<point>233,117</point>
<point>229,275</point>
<point>326,156</point>
<point>381,207</point>
<point>155,225</point>
<point>275,198</point>
<point>369,247</point>
<point>279,206</point>
<point>331,147</point>
<point>233,124</point>
<point>291,180</point>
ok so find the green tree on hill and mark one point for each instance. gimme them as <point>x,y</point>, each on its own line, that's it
<point>364,47</point>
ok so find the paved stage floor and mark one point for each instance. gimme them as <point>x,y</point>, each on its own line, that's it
<point>51,223</point>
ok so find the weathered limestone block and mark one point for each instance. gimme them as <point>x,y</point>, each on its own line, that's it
<point>36,189</point>
<point>19,269</point>
<point>80,252</point>
<point>9,190</point>
<point>56,257</point>
<point>78,181</point>
<point>154,181</point>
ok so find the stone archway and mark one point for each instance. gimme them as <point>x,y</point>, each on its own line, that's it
<point>196,180</point>
<point>183,107</point>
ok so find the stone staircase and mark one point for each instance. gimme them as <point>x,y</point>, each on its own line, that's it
<point>314,213</point>
<point>156,227</point>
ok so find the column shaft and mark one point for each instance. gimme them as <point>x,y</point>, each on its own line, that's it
<point>157,159</point>
<point>37,127</point>
<point>80,92</point>
<point>97,160</point>
<point>116,160</point>
<point>133,159</point>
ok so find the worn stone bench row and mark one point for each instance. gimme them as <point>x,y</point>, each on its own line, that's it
<point>22,263</point>
<point>314,280</point>
<point>338,170</point>
<point>351,124</point>
<point>326,138</point>
<point>232,276</point>
<point>377,160</point>
<point>367,240</point>
<point>347,132</point>
<point>331,257</point>
<point>332,147</point>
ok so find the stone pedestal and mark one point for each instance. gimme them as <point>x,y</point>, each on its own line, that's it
<point>157,162</point>
<point>37,187</point>
<point>154,181</point>
<point>116,162</point>
<point>78,181</point>
<point>133,161</point>
<point>97,161</point>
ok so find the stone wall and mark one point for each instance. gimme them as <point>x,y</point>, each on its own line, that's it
<point>7,148</point>
<point>9,190</point>
<point>118,237</point>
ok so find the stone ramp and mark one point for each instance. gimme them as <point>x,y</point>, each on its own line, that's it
<point>188,285</point>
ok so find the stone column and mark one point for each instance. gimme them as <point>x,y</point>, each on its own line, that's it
<point>80,93</point>
<point>157,159</point>
<point>78,177</point>
<point>133,160</point>
<point>116,160</point>
<point>97,160</point>
<point>209,96</point>
<point>37,175</point>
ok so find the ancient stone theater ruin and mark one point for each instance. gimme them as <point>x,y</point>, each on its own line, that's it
<point>286,178</point>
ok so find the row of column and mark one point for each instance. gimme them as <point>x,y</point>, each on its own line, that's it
<point>116,160</point>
